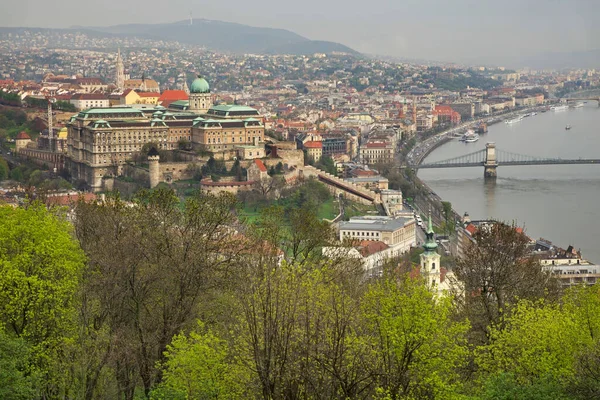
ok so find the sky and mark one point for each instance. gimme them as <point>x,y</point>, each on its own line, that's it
<point>470,31</point>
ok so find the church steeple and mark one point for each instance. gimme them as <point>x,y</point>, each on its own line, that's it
<point>120,71</point>
<point>430,245</point>
<point>430,259</point>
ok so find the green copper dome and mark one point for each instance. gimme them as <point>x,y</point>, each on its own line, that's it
<point>199,86</point>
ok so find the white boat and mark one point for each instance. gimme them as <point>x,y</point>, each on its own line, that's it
<point>560,108</point>
<point>470,137</point>
<point>577,105</point>
<point>533,114</point>
<point>515,120</point>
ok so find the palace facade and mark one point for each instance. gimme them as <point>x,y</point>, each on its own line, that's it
<point>102,140</point>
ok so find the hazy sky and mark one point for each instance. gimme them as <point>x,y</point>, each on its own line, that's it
<point>459,30</point>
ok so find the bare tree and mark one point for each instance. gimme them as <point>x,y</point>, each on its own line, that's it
<point>497,269</point>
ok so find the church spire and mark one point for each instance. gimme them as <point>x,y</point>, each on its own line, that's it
<point>430,245</point>
<point>120,71</point>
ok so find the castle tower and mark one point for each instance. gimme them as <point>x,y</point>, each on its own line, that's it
<point>200,98</point>
<point>21,141</point>
<point>430,259</point>
<point>120,72</point>
<point>153,163</point>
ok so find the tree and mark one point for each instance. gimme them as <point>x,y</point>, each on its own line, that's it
<point>200,366</point>
<point>420,347</point>
<point>149,267</point>
<point>237,171</point>
<point>4,170</point>
<point>549,348</point>
<point>536,342</point>
<point>40,272</point>
<point>268,331</point>
<point>447,210</point>
<point>16,380</point>
<point>497,269</point>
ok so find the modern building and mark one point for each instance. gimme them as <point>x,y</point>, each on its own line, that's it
<point>397,233</point>
<point>572,271</point>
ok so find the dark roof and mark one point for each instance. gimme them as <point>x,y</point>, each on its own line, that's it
<point>153,152</point>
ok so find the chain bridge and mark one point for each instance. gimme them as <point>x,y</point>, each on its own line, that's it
<point>491,158</point>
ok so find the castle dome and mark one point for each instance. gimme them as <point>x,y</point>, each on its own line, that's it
<point>200,85</point>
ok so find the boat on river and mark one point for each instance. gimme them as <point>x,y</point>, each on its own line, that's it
<point>568,127</point>
<point>469,137</point>
<point>577,105</point>
<point>560,108</point>
<point>515,120</point>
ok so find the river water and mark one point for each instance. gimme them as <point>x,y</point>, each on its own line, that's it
<point>560,203</point>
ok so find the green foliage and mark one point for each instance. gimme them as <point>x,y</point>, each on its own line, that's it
<point>4,169</point>
<point>199,366</point>
<point>16,380</point>
<point>460,82</point>
<point>505,386</point>
<point>545,350</point>
<point>11,99</point>
<point>421,347</point>
<point>327,164</point>
<point>536,341</point>
<point>214,167</point>
<point>40,272</point>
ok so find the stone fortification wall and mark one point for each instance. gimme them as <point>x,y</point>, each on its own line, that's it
<point>225,187</point>
<point>308,171</point>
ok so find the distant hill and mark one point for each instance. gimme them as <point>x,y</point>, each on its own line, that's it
<point>307,47</point>
<point>226,37</point>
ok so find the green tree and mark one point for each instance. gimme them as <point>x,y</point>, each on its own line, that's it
<point>16,379</point>
<point>505,386</point>
<point>447,211</point>
<point>537,341</point>
<point>4,170</point>
<point>200,366</point>
<point>40,272</point>
<point>420,347</point>
<point>150,267</point>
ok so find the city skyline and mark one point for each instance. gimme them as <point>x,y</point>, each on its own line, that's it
<point>464,31</point>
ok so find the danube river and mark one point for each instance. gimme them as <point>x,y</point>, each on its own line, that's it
<point>560,203</point>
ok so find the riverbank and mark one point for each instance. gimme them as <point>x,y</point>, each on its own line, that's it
<point>556,202</point>
<point>430,201</point>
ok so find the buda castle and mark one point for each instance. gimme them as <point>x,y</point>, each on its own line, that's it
<point>101,141</point>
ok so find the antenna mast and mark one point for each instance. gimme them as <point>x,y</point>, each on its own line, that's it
<point>191,20</point>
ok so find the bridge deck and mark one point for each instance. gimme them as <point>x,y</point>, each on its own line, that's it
<point>508,163</point>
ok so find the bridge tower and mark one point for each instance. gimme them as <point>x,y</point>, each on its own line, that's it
<point>491,163</point>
